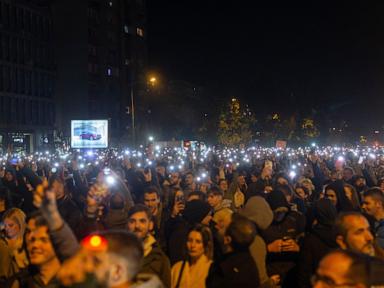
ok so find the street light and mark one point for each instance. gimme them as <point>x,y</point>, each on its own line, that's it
<point>152,82</point>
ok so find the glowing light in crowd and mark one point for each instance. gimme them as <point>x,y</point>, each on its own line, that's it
<point>110,180</point>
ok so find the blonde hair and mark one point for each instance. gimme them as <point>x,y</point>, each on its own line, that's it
<point>18,216</point>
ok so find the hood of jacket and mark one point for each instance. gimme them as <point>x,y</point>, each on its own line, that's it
<point>257,210</point>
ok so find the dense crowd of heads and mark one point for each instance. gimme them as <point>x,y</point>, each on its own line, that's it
<point>204,217</point>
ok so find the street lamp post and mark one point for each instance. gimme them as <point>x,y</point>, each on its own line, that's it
<point>152,81</point>
<point>133,118</point>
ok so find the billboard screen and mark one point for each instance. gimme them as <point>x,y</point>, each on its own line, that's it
<point>89,133</point>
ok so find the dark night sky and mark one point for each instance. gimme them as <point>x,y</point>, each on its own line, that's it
<point>277,55</point>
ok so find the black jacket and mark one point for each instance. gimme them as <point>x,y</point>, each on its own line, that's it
<point>315,246</point>
<point>234,270</point>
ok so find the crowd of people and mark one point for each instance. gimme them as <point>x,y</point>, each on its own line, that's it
<point>186,218</point>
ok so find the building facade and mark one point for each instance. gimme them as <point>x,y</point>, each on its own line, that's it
<point>101,54</point>
<point>27,76</point>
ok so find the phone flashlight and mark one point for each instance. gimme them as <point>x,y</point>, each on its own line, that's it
<point>110,180</point>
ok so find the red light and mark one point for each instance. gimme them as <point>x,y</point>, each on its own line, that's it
<point>95,242</point>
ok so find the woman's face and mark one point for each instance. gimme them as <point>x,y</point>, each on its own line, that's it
<point>307,185</point>
<point>195,245</point>
<point>179,195</point>
<point>301,193</point>
<point>348,192</point>
<point>12,229</point>
<point>331,195</point>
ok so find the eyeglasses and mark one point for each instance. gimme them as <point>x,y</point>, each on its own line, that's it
<point>329,281</point>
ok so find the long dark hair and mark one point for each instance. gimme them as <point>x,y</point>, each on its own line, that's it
<point>171,199</point>
<point>343,203</point>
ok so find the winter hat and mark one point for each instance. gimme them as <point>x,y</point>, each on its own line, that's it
<point>258,211</point>
<point>195,211</point>
<point>276,199</point>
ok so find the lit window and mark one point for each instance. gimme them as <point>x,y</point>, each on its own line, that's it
<point>140,32</point>
<point>126,30</point>
<point>110,3</point>
<point>109,71</point>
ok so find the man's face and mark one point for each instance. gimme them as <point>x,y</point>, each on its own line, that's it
<point>189,179</point>
<point>332,272</point>
<point>39,246</point>
<point>175,178</point>
<point>160,170</point>
<point>152,202</point>
<point>59,189</point>
<point>214,200</point>
<point>8,176</point>
<point>347,174</point>
<point>359,237</point>
<point>360,182</point>
<point>139,224</point>
<point>223,185</point>
<point>371,206</point>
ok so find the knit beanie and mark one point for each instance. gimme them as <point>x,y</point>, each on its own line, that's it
<point>195,211</point>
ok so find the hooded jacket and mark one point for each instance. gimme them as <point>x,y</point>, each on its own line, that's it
<point>286,223</point>
<point>318,242</point>
<point>258,211</point>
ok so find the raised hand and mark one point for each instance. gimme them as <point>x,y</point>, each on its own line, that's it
<point>45,199</point>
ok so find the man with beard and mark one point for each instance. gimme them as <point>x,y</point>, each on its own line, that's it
<point>353,233</point>
<point>140,223</point>
<point>373,204</point>
<point>108,259</point>
<point>360,184</point>
<point>189,184</point>
<point>347,269</point>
